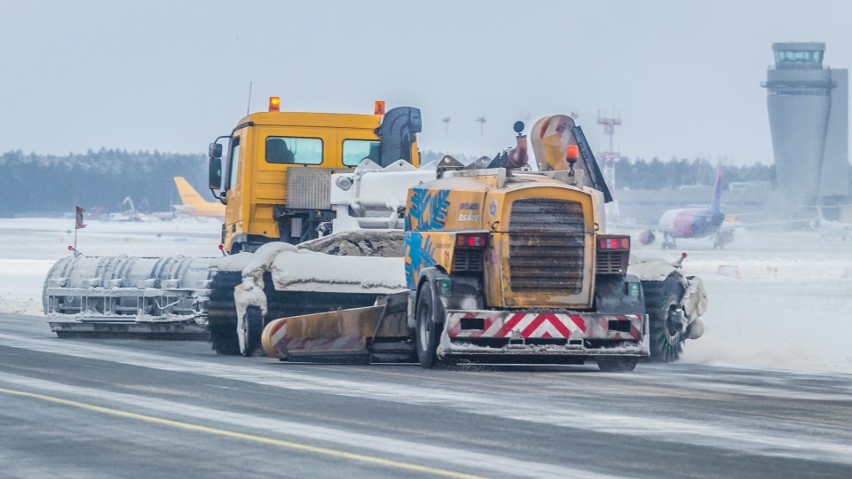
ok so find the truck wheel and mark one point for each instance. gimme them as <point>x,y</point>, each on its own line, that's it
<point>252,328</point>
<point>614,365</point>
<point>428,332</point>
<point>661,300</point>
<point>221,314</point>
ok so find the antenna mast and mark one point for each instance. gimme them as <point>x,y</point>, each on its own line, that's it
<point>481,121</point>
<point>608,157</point>
<point>248,105</point>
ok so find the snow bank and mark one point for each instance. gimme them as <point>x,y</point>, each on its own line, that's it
<point>776,300</point>
<point>32,245</point>
<point>49,238</point>
<point>780,314</point>
<point>309,271</point>
<point>22,282</point>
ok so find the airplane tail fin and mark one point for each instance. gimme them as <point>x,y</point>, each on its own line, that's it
<point>188,195</point>
<point>717,190</point>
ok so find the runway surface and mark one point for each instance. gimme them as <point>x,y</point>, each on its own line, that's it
<point>142,408</point>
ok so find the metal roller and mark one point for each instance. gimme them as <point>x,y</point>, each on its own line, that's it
<point>128,294</point>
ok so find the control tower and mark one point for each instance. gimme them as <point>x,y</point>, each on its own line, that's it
<point>808,119</point>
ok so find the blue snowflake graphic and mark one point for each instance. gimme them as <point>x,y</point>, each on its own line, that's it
<point>428,210</point>
<point>421,254</point>
<point>438,209</point>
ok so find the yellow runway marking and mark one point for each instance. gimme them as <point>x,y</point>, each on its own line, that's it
<point>246,437</point>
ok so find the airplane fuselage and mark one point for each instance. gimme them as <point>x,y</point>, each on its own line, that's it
<point>692,222</point>
<point>203,210</point>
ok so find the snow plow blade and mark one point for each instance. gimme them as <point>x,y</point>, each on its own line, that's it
<point>128,296</point>
<point>350,336</point>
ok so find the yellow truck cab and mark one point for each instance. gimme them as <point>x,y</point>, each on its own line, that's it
<point>276,175</point>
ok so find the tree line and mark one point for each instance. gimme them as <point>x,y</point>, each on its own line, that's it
<point>654,174</point>
<point>101,180</point>
<point>98,181</point>
<point>640,174</point>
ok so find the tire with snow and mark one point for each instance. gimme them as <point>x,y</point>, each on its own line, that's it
<point>252,327</point>
<point>661,300</point>
<point>221,313</point>
<point>427,331</point>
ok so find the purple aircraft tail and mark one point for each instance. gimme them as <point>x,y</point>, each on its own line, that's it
<point>717,190</point>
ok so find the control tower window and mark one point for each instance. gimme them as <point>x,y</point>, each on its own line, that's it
<point>798,56</point>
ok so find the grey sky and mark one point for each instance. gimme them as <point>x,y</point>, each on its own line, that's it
<point>168,75</point>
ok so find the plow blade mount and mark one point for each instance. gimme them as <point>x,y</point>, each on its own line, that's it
<point>350,336</point>
<point>117,327</point>
<point>128,296</point>
<point>543,337</point>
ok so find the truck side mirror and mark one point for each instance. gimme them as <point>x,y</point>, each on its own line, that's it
<point>215,150</point>
<point>215,170</point>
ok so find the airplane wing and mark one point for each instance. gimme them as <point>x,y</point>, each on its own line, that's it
<point>638,228</point>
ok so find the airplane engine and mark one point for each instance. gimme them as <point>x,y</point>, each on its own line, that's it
<point>647,237</point>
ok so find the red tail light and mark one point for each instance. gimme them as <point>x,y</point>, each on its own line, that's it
<point>472,240</point>
<point>613,242</point>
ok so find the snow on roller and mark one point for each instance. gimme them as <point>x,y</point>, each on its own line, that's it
<point>674,304</point>
<point>128,295</point>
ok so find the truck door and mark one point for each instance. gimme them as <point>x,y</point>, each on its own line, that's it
<point>233,194</point>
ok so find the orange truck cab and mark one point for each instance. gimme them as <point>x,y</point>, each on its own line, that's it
<point>275,179</point>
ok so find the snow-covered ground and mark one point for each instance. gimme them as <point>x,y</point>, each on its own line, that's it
<point>30,246</point>
<point>777,300</point>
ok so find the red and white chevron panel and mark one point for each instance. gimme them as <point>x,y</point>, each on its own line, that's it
<point>281,344</point>
<point>501,324</point>
<point>273,338</point>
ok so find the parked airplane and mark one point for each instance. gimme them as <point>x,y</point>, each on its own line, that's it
<point>132,214</point>
<point>693,223</point>
<point>830,229</point>
<point>194,204</point>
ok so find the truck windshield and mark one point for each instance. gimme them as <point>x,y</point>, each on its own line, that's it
<point>355,151</point>
<point>288,150</point>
